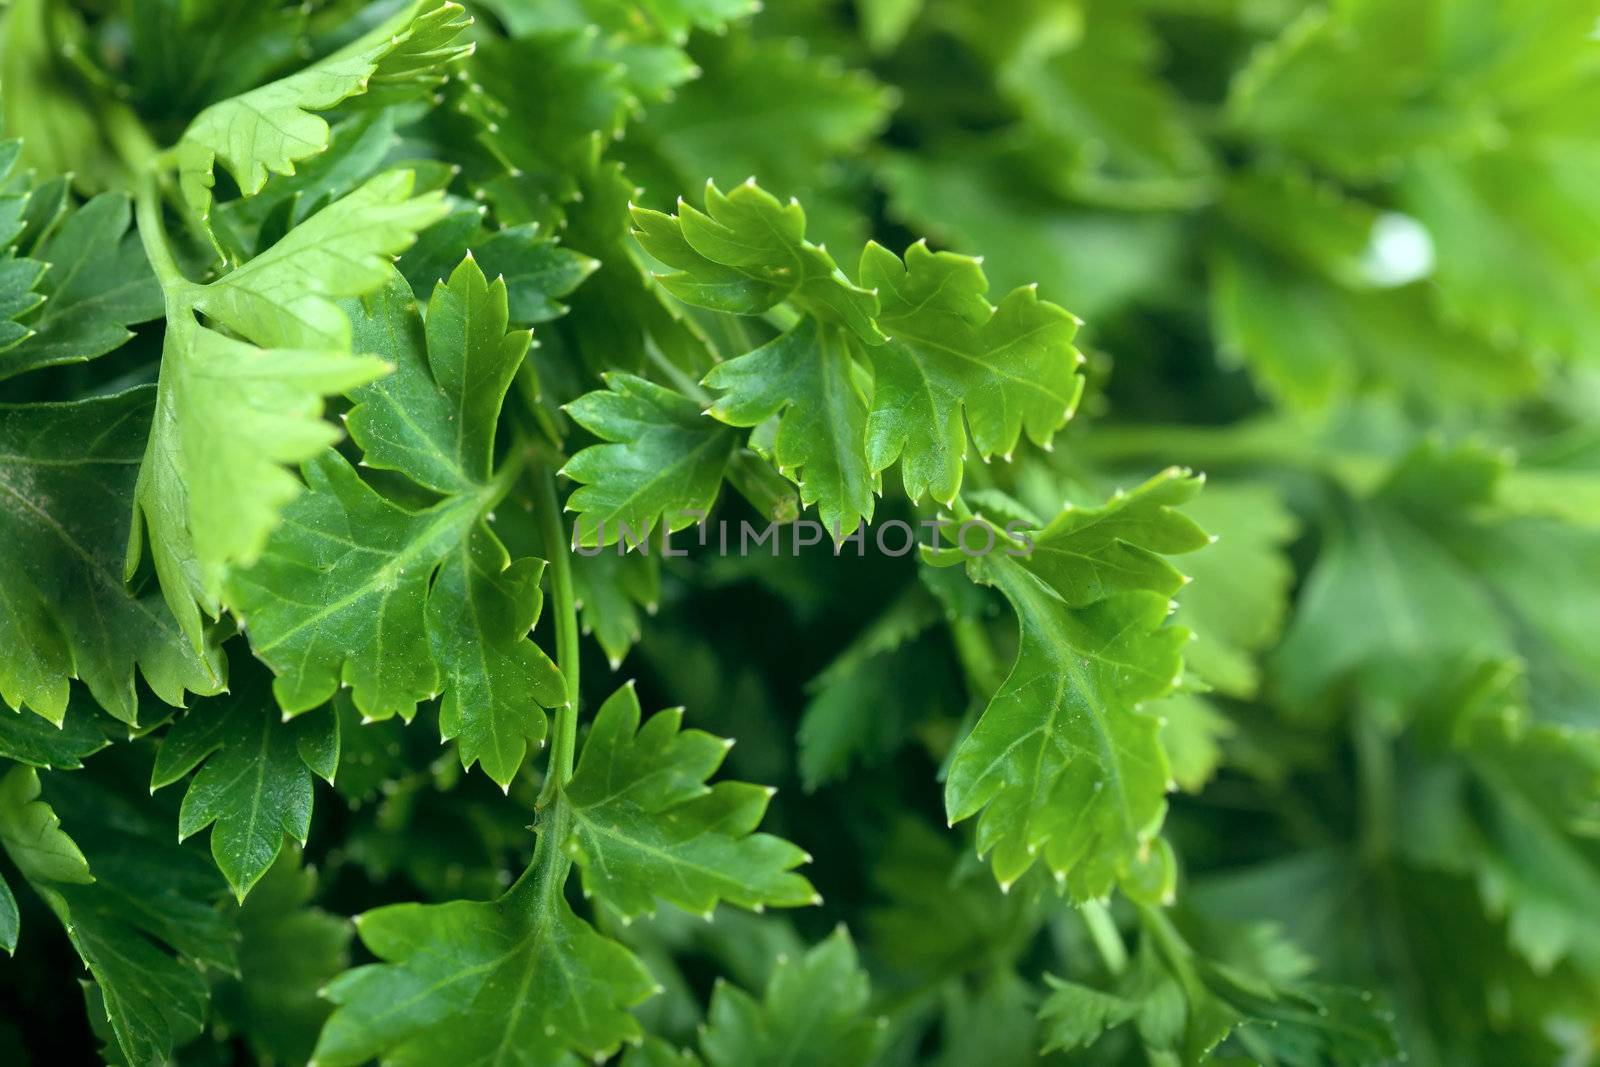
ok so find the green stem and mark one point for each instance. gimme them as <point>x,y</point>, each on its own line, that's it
<point>977,657</point>
<point>177,287</point>
<point>564,606</point>
<point>1375,771</point>
<point>676,375</point>
<point>1105,935</point>
<point>770,493</point>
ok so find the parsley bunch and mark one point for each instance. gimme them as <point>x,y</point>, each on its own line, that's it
<point>431,435</point>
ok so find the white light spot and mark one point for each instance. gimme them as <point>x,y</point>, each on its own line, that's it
<point>1399,251</point>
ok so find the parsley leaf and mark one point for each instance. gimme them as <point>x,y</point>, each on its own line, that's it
<point>1065,765</point>
<point>67,475</point>
<point>254,784</point>
<point>454,611</point>
<point>647,827</point>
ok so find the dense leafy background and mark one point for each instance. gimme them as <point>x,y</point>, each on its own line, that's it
<point>317,319</point>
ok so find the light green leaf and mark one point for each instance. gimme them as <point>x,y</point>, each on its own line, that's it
<point>213,483</point>
<point>269,129</point>
<point>975,202</point>
<point>662,462</point>
<point>748,236</point>
<point>1238,596</point>
<point>1387,603</point>
<point>1533,202</point>
<point>285,296</point>
<point>747,253</point>
<point>1301,298</point>
<point>1192,732</point>
<point>32,835</point>
<point>1065,764</point>
<point>229,415</point>
<point>1113,132</point>
<point>646,826</point>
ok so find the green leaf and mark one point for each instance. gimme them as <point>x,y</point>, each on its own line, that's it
<point>1389,604</point>
<point>975,203</point>
<point>256,782</point>
<point>67,475</point>
<point>662,462</point>
<point>538,270</point>
<point>1361,87</point>
<point>1531,201</point>
<point>32,835</point>
<point>1065,764</point>
<point>672,18</point>
<point>746,253</point>
<point>812,1014</point>
<point>536,108</point>
<point>288,949</point>
<point>1310,341</point>
<point>610,590</point>
<point>269,129</point>
<point>434,419</point>
<point>1352,90</point>
<point>1238,594</point>
<point>521,980</point>
<point>213,483</point>
<point>647,827</point>
<point>18,275</point>
<point>145,926</point>
<point>863,705</point>
<point>10,921</point>
<point>1113,131</point>
<point>1184,1004</point>
<point>1511,802</point>
<point>96,284</point>
<point>358,151</point>
<point>953,361</point>
<point>33,740</point>
<point>655,1052</point>
<point>1193,730</point>
<point>453,610</point>
<point>285,296</point>
<point>768,108</point>
<point>810,378</point>
<point>1075,1016</point>
<point>230,415</point>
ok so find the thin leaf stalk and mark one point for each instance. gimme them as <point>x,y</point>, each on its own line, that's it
<point>564,609</point>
